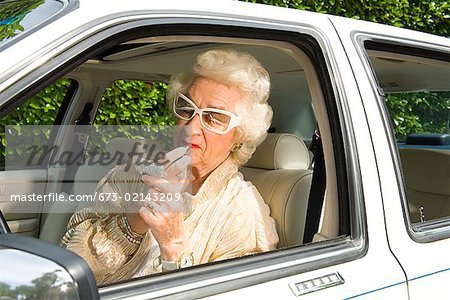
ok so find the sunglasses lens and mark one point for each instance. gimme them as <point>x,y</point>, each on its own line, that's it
<point>183,109</point>
<point>216,120</point>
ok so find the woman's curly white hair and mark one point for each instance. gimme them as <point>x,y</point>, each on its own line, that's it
<point>240,70</point>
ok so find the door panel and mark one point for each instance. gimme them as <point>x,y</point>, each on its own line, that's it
<point>22,216</point>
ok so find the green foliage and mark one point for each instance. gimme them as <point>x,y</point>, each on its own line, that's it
<point>50,285</point>
<point>12,13</point>
<point>422,15</point>
<point>413,112</point>
<point>419,112</point>
<point>131,102</point>
<point>138,108</point>
<point>38,110</point>
<point>5,290</point>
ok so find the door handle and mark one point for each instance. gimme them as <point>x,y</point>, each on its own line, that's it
<point>316,284</point>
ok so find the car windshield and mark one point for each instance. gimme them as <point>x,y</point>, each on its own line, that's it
<point>21,17</point>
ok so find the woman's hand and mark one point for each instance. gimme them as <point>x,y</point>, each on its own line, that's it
<point>163,212</point>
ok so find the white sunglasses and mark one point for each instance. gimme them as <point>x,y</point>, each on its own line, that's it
<point>215,120</point>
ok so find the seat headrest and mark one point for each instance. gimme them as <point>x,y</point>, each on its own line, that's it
<point>280,151</point>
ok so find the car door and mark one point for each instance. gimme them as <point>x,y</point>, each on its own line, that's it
<point>409,74</point>
<point>340,262</point>
<point>20,19</point>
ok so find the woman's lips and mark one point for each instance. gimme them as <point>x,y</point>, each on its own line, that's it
<point>192,146</point>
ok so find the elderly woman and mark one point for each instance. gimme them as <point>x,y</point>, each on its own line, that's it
<point>223,107</point>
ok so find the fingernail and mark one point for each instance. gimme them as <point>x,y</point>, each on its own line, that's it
<point>144,210</point>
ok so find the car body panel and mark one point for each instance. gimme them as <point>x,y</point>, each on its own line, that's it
<point>426,264</point>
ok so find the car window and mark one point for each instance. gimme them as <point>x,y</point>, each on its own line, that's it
<point>128,104</point>
<point>417,96</point>
<point>38,114</point>
<point>21,17</point>
<point>124,86</point>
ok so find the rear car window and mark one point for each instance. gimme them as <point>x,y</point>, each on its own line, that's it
<point>417,96</point>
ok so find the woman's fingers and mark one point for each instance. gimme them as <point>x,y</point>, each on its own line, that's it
<point>178,167</point>
<point>163,196</point>
<point>162,185</point>
<point>165,227</point>
<point>174,155</point>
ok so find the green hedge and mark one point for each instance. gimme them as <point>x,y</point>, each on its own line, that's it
<point>124,103</point>
<point>138,103</point>
<point>419,112</point>
<point>423,15</point>
<point>12,13</point>
<point>127,103</point>
<point>413,112</point>
<point>38,110</point>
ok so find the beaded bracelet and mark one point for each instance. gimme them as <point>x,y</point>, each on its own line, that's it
<point>133,237</point>
<point>120,240</point>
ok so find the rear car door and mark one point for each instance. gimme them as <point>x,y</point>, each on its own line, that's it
<point>408,86</point>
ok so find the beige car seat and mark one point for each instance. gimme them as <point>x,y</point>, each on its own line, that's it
<point>427,180</point>
<point>279,169</point>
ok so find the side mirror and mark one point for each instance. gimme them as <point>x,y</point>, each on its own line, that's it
<point>33,269</point>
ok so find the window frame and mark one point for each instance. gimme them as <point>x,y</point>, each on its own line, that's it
<point>245,271</point>
<point>429,231</point>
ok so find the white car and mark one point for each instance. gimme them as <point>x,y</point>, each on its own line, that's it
<point>376,226</point>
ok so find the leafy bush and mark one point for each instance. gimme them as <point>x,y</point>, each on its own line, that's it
<point>136,108</point>
<point>124,103</point>
<point>12,13</point>
<point>138,103</point>
<point>419,112</point>
<point>415,112</point>
<point>422,15</point>
<point>38,110</point>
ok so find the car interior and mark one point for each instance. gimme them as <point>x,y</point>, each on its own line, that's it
<point>424,156</point>
<point>281,168</point>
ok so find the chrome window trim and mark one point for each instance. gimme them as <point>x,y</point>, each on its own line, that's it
<point>206,280</point>
<point>237,273</point>
<point>429,231</point>
<point>358,222</point>
<point>68,6</point>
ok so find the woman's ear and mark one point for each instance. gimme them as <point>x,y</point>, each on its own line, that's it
<point>237,146</point>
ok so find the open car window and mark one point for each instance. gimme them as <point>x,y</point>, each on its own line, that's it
<point>122,87</point>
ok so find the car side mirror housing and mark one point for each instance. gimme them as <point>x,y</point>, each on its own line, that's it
<point>33,269</point>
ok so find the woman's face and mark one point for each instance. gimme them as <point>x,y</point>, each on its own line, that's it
<point>209,149</point>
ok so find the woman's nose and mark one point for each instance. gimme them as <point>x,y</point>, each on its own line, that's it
<point>195,125</point>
